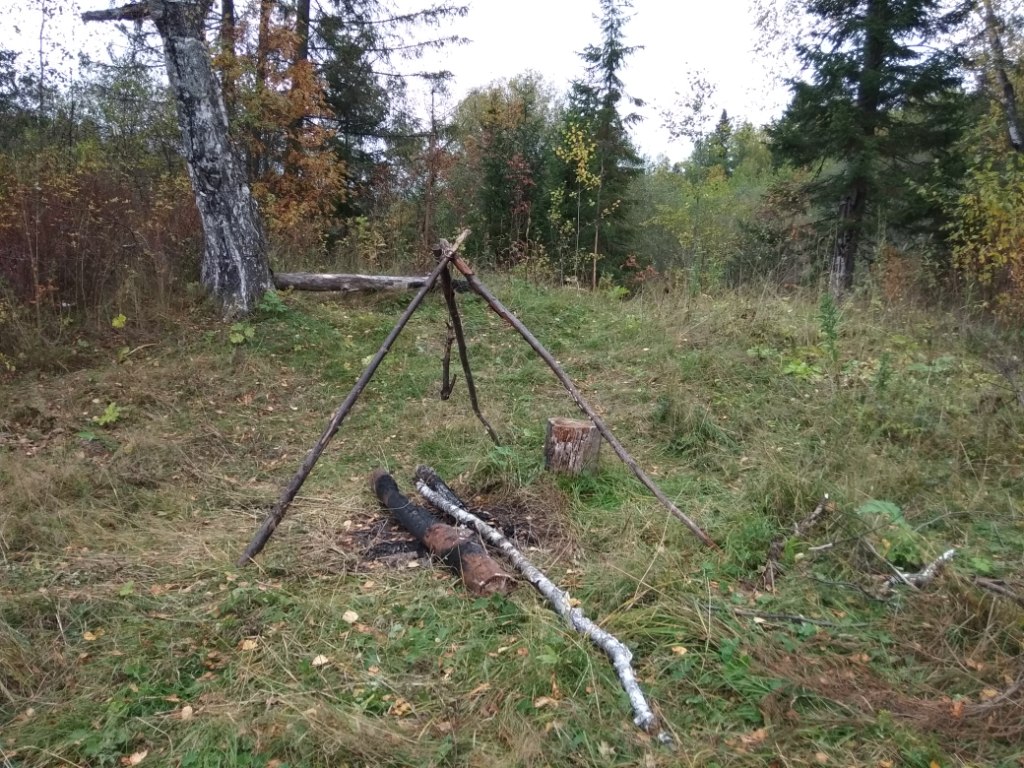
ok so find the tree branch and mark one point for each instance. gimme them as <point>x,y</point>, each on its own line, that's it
<point>436,491</point>
<point>129,12</point>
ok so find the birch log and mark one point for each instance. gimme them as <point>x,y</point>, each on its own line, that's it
<point>434,490</point>
<point>455,547</point>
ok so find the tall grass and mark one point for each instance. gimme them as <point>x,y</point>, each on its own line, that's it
<point>125,628</point>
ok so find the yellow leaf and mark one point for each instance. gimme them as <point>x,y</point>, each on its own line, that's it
<point>544,701</point>
<point>679,650</point>
<point>400,708</point>
<point>249,644</point>
<point>350,617</point>
<point>320,660</point>
<point>186,712</point>
<point>92,636</point>
<point>118,322</point>
<point>987,694</point>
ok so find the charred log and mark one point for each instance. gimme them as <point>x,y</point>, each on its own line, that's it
<point>458,548</point>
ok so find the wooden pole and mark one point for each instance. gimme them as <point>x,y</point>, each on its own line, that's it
<point>581,401</point>
<point>460,338</point>
<point>274,517</point>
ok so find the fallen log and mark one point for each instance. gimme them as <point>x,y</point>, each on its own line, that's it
<point>457,548</point>
<point>315,281</point>
<point>437,492</point>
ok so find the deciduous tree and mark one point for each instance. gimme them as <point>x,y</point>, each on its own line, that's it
<point>234,268</point>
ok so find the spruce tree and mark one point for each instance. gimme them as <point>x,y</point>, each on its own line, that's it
<point>882,103</point>
<point>595,104</point>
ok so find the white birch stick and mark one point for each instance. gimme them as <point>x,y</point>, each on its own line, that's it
<point>441,496</point>
<point>925,575</point>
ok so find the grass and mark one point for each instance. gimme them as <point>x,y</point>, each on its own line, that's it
<point>125,629</point>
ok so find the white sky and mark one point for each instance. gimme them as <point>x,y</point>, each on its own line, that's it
<point>679,39</point>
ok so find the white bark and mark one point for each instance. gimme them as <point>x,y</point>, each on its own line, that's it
<point>442,497</point>
<point>923,577</point>
<point>234,267</point>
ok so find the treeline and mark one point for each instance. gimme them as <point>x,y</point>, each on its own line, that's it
<point>898,162</point>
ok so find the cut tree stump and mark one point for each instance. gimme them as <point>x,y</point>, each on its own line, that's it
<point>571,446</point>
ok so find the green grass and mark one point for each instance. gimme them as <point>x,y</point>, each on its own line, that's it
<point>125,628</point>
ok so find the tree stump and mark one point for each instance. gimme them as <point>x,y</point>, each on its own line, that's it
<point>571,446</point>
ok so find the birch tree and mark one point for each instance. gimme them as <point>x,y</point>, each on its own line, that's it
<point>235,269</point>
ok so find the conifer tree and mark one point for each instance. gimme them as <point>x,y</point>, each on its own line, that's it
<point>595,103</point>
<point>883,100</point>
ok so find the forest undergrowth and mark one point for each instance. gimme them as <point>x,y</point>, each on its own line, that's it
<point>134,471</point>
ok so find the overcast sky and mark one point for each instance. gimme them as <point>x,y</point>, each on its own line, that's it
<point>680,39</point>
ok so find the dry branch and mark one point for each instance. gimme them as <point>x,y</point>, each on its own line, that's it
<point>581,401</point>
<point>999,588</point>
<point>447,289</point>
<point>274,517</point>
<point>773,565</point>
<point>457,548</point>
<point>315,281</point>
<point>434,489</point>
<point>129,12</point>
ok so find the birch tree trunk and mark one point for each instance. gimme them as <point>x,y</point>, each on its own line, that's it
<point>1001,66</point>
<point>234,269</point>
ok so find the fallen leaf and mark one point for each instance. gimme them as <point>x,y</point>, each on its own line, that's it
<point>956,709</point>
<point>186,712</point>
<point>605,749</point>
<point>249,644</point>
<point>400,708</point>
<point>92,636</point>
<point>679,650</point>
<point>320,660</point>
<point>987,694</point>
<point>135,758</point>
<point>544,701</point>
<point>746,740</point>
<point>820,758</point>
<point>350,617</point>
